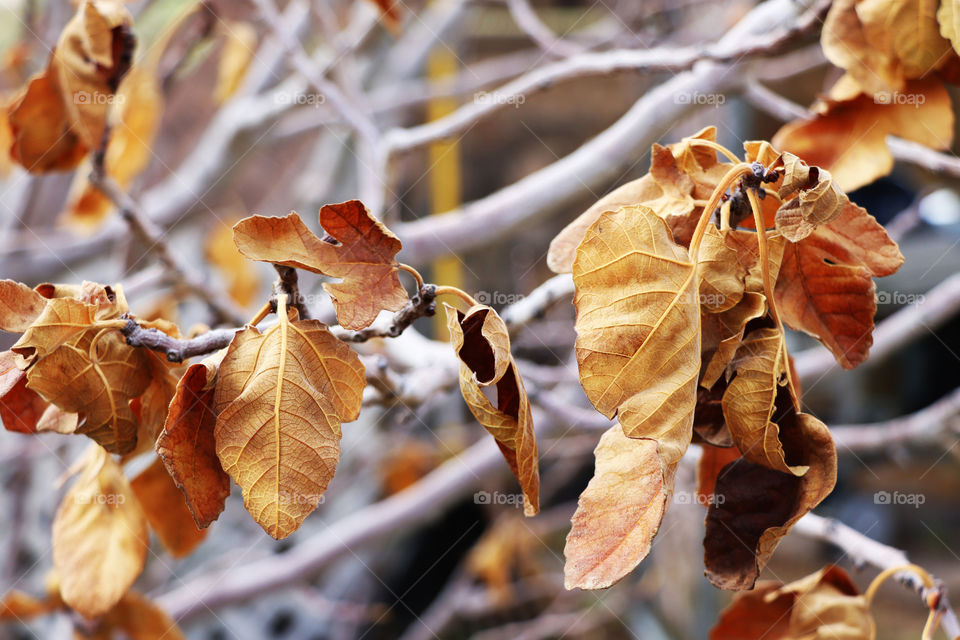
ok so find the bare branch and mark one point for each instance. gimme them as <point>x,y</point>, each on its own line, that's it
<point>923,426</point>
<point>177,349</point>
<point>152,239</point>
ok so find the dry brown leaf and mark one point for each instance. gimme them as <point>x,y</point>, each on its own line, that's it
<point>563,248</point>
<point>281,397</point>
<point>825,286</point>
<point>242,281</point>
<point>845,44</point>
<point>755,506</point>
<point>166,510</point>
<point>19,306</point>
<point>96,376</point>
<point>238,51</point>
<point>20,408</point>
<point>17,606</point>
<point>749,402</point>
<point>723,333</point>
<point>721,273</point>
<point>948,16</point>
<point>137,618</point>
<point>188,448</point>
<point>100,537</point>
<point>57,420</point>
<point>62,113</point>
<point>906,30</point>
<point>62,320</point>
<point>823,606</point>
<point>360,251</point>
<point>818,200</point>
<point>134,125</point>
<point>638,325</point>
<point>848,137</point>
<point>480,339</point>
<point>619,512</point>
<point>711,463</point>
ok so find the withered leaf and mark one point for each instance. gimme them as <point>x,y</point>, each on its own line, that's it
<point>845,44</point>
<point>240,278</point>
<point>711,464</point>
<point>825,286</point>
<point>824,605</point>
<point>137,618</point>
<point>360,251</point>
<point>62,320</point>
<point>100,537</point>
<point>20,408</point>
<point>17,606</point>
<point>281,397</point>
<point>166,510</point>
<point>749,402</point>
<point>479,338</point>
<point>756,506</point>
<point>19,306</point>
<point>818,200</point>
<point>62,113</point>
<point>720,271</point>
<point>907,30</point>
<point>239,45</point>
<point>848,137</point>
<point>619,512</point>
<point>96,376</point>
<point>187,446</point>
<point>638,325</point>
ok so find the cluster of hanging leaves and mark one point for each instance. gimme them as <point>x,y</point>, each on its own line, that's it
<point>897,54</point>
<point>265,412</point>
<point>680,309</point>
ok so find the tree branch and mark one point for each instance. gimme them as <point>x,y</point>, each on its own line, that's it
<point>177,349</point>
<point>152,238</point>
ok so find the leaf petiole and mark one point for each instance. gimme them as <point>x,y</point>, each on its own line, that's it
<point>719,148</point>
<point>263,312</point>
<point>453,291</point>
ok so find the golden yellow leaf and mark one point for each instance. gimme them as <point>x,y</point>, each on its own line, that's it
<point>948,16</point>
<point>187,446</point>
<point>848,137</point>
<point>638,327</point>
<point>281,397</point>
<point>817,199</point>
<point>238,51</point>
<point>845,44</point>
<point>62,320</point>
<point>480,339</point>
<point>243,283</point>
<point>723,332</point>
<point>619,512</point>
<point>96,376</point>
<point>166,510</point>
<point>360,251</point>
<point>750,400</point>
<point>721,273</point>
<point>42,138</point>
<point>99,537</point>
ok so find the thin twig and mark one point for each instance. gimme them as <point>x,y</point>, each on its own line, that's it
<point>421,305</point>
<point>288,283</point>
<point>152,239</point>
